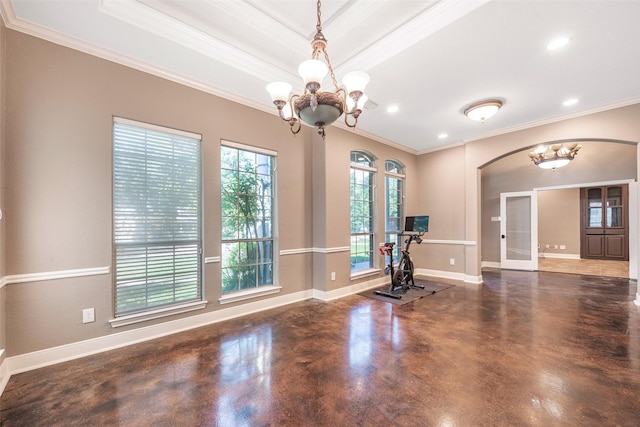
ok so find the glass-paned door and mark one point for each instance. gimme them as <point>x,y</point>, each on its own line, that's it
<point>519,231</point>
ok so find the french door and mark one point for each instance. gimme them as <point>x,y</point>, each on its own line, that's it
<point>604,222</point>
<point>519,230</point>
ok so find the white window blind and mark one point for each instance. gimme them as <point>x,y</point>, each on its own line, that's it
<point>156,217</point>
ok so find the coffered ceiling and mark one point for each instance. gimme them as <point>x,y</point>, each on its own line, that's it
<point>430,58</point>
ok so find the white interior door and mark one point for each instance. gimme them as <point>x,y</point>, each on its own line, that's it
<point>519,230</point>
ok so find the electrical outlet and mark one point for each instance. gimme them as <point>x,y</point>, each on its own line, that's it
<point>452,261</point>
<point>547,247</point>
<point>563,247</point>
<point>88,315</point>
<point>333,275</point>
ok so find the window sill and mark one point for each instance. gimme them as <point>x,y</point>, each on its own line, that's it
<point>249,293</point>
<point>156,314</point>
<point>365,273</point>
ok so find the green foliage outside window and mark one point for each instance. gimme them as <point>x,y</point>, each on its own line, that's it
<point>394,203</point>
<point>247,184</point>
<point>362,211</point>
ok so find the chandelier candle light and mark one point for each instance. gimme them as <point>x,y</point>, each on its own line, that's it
<point>316,107</point>
<point>554,156</point>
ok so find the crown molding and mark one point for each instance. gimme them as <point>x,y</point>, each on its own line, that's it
<point>534,124</point>
<point>441,147</point>
<point>264,23</point>
<point>432,20</point>
<point>150,19</point>
<point>7,12</point>
<point>537,123</point>
<point>14,23</point>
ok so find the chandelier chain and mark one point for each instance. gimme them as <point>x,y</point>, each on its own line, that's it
<point>294,109</point>
<point>317,47</point>
<point>333,75</point>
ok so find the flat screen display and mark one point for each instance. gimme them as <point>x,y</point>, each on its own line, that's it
<point>417,224</point>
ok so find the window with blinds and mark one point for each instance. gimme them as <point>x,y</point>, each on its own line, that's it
<point>156,217</point>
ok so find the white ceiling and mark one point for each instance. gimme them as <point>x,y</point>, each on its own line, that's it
<point>431,58</point>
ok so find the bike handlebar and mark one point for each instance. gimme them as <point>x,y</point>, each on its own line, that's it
<point>386,249</point>
<point>415,237</point>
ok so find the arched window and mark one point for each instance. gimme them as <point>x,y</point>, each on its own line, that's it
<point>363,172</point>
<point>393,203</point>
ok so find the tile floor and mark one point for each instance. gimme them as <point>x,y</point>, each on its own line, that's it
<point>591,267</point>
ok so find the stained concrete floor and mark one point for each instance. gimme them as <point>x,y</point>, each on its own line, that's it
<point>524,349</point>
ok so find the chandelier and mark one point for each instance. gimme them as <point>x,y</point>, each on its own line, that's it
<point>554,156</point>
<point>317,107</point>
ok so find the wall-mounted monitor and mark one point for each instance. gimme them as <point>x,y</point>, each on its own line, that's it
<point>416,224</point>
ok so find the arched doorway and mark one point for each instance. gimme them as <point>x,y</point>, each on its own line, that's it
<point>600,161</point>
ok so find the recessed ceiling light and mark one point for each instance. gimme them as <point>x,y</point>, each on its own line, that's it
<point>570,102</point>
<point>392,109</point>
<point>557,43</point>
<point>443,135</point>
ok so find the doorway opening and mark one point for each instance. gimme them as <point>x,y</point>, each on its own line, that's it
<point>564,235</point>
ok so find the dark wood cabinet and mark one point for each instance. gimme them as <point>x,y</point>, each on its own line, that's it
<point>604,222</point>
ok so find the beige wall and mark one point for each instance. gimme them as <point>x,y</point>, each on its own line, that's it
<point>59,105</point>
<point>559,221</point>
<point>3,57</point>
<point>58,198</point>
<point>337,149</point>
<point>441,195</point>
<point>621,124</point>
<point>58,167</point>
<point>516,173</point>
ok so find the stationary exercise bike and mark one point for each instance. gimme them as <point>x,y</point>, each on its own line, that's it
<point>401,277</point>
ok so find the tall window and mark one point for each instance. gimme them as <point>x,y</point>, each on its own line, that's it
<point>394,203</point>
<point>156,217</point>
<point>248,192</point>
<point>362,213</point>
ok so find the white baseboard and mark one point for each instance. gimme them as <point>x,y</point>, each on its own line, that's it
<point>558,256</point>
<point>349,290</point>
<point>4,375</point>
<point>490,264</point>
<point>439,273</point>
<point>449,275</point>
<point>494,264</point>
<point>474,280</point>
<point>50,356</point>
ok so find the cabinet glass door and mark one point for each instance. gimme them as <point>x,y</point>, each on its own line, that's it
<point>594,200</point>
<point>614,207</point>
